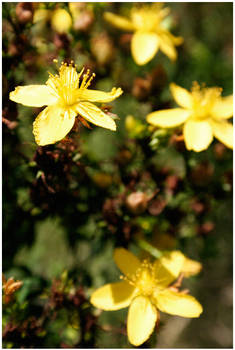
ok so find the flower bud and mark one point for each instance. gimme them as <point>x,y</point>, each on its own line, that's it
<point>206,228</point>
<point>172,182</point>
<point>137,202</point>
<point>24,12</point>
<point>102,48</point>
<point>157,206</point>
<point>84,21</point>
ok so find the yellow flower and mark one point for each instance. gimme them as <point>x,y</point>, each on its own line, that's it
<point>149,33</point>
<point>60,19</point>
<point>204,113</point>
<point>66,96</point>
<point>145,288</point>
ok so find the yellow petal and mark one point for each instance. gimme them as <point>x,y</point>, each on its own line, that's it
<point>113,296</point>
<point>95,115</point>
<point>197,135</point>
<point>168,118</point>
<point>99,96</point>
<point>33,95</point>
<point>178,304</point>
<point>52,125</point>
<point>166,45</point>
<point>61,21</point>
<point>142,317</point>
<point>118,21</point>
<point>223,108</point>
<point>41,15</point>
<point>144,46</point>
<point>191,267</point>
<point>223,131</point>
<point>176,40</point>
<point>127,262</point>
<point>181,96</point>
<point>168,267</point>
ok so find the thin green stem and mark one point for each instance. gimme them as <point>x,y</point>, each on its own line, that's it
<point>149,248</point>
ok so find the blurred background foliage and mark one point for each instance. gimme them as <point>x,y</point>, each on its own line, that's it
<point>66,206</point>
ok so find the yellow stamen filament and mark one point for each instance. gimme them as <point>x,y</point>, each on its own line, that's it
<point>66,84</point>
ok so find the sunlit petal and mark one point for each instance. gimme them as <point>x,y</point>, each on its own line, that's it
<point>181,96</point>
<point>52,125</point>
<point>178,304</point>
<point>168,118</point>
<point>118,21</point>
<point>197,135</point>
<point>166,45</point>
<point>95,115</point>
<point>168,267</point>
<point>191,267</point>
<point>33,95</point>
<point>223,131</point>
<point>142,317</point>
<point>144,46</point>
<point>223,108</point>
<point>99,96</point>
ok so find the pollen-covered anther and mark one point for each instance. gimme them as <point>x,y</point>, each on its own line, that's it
<point>127,279</point>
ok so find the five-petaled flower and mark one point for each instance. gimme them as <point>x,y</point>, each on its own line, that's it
<point>147,288</point>
<point>204,113</point>
<point>66,96</point>
<point>149,32</point>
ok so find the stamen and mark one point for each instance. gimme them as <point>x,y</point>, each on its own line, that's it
<point>126,279</point>
<point>90,80</point>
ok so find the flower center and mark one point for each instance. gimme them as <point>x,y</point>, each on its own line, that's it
<point>66,85</point>
<point>143,279</point>
<point>203,100</point>
<point>148,18</point>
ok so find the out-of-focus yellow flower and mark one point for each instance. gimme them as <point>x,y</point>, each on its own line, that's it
<point>41,15</point>
<point>134,126</point>
<point>204,113</point>
<point>60,19</point>
<point>149,32</point>
<point>146,289</point>
<point>66,96</point>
